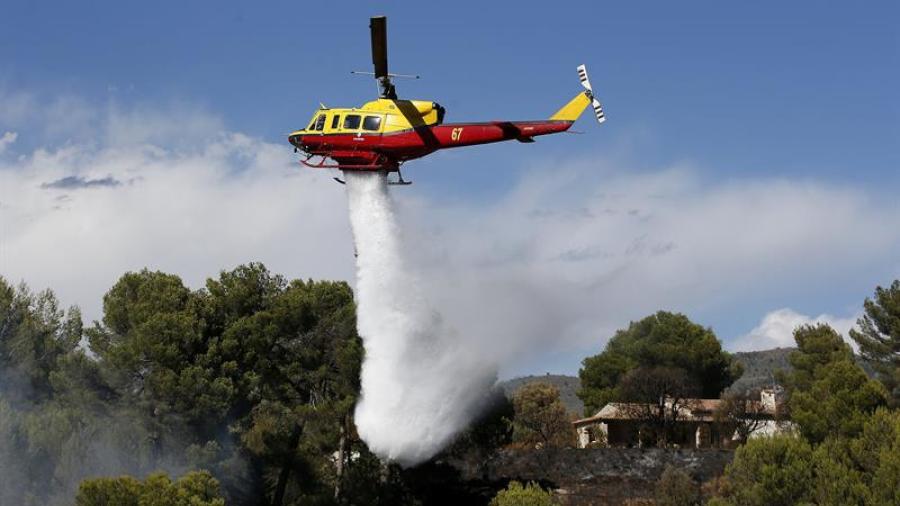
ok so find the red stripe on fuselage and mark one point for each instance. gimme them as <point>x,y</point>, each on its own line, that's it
<point>418,142</point>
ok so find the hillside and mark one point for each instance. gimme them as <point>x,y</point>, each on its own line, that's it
<point>759,368</point>
<point>568,387</point>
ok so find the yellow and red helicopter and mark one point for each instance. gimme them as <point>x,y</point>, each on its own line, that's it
<point>384,133</point>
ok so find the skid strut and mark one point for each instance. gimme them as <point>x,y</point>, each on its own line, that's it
<point>399,182</point>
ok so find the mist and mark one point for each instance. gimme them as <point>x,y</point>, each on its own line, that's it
<point>422,380</point>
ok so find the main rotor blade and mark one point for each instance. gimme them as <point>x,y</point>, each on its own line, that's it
<point>378,27</point>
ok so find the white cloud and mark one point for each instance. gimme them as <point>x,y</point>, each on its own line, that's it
<point>6,139</point>
<point>776,330</point>
<point>557,263</point>
<point>572,254</point>
<point>74,218</point>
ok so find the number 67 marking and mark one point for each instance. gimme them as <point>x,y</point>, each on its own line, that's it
<point>455,134</point>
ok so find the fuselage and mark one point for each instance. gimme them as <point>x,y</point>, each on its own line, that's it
<point>384,133</point>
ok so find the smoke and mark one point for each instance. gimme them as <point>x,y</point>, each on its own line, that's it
<point>422,380</point>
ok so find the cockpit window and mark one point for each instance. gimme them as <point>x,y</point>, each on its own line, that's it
<point>372,123</point>
<point>335,121</point>
<point>320,122</point>
<point>351,122</point>
<point>312,124</point>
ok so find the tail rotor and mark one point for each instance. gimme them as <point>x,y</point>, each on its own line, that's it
<point>589,91</point>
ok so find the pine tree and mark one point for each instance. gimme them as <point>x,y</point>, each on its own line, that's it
<point>878,337</point>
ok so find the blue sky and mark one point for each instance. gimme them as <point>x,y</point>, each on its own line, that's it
<point>800,88</point>
<point>734,95</point>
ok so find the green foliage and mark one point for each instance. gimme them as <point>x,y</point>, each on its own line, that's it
<point>540,417</point>
<point>517,495</point>
<point>864,469</point>
<point>774,471</point>
<point>878,337</point>
<point>658,394</point>
<point>849,452</point>
<point>817,346</point>
<point>122,491</point>
<point>34,334</point>
<point>830,395</point>
<point>197,488</point>
<point>676,488</point>
<point>660,340</point>
<point>253,377</point>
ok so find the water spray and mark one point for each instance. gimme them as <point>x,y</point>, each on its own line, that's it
<point>420,387</point>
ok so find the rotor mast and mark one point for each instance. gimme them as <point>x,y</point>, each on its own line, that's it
<point>378,28</point>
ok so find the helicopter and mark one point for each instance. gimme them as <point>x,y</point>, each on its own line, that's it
<point>385,133</point>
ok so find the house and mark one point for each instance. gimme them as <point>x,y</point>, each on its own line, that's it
<point>690,423</point>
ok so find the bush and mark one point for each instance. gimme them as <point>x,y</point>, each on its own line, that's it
<point>197,488</point>
<point>676,488</point>
<point>769,471</point>
<point>517,495</point>
<point>541,419</point>
<point>121,491</point>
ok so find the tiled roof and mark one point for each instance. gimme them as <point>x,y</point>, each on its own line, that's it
<point>690,410</point>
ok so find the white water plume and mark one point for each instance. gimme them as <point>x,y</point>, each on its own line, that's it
<point>421,381</point>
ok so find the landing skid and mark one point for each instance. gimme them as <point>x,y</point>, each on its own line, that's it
<point>399,182</point>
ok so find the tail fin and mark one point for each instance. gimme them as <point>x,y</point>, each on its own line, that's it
<point>572,110</point>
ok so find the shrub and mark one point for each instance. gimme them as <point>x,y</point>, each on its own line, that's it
<point>676,488</point>
<point>769,471</point>
<point>517,495</point>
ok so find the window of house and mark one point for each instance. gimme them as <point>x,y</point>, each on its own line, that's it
<point>320,122</point>
<point>335,121</point>
<point>372,123</point>
<point>351,122</point>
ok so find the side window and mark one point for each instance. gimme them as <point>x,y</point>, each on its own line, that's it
<point>372,123</point>
<point>320,123</point>
<point>335,121</point>
<point>312,124</point>
<point>351,122</point>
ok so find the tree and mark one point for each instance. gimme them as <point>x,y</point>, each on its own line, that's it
<point>150,344</point>
<point>776,471</point>
<point>878,337</point>
<point>252,377</point>
<point>864,469</point>
<point>660,340</point>
<point>540,416</point>
<point>744,412</point>
<point>818,346</point>
<point>517,495</point>
<point>829,394</point>
<point>196,488</point>
<point>658,397</point>
<point>306,380</point>
<point>676,488</point>
<point>34,334</point>
<point>122,491</point>
<point>276,361</point>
